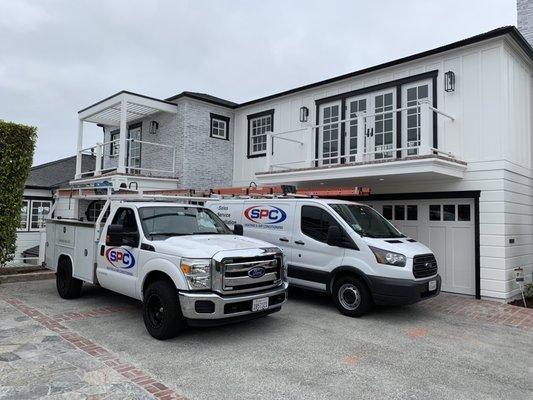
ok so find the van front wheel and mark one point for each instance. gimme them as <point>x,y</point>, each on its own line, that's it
<point>351,296</point>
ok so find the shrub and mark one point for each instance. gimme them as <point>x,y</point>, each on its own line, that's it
<point>17,143</point>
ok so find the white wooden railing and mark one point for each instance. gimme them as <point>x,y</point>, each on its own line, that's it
<point>306,138</point>
<point>150,157</point>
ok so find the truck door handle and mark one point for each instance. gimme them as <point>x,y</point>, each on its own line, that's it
<point>283,239</point>
<point>299,242</point>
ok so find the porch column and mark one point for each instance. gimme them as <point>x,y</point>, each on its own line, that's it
<point>310,143</point>
<point>98,167</point>
<point>122,151</point>
<point>269,148</point>
<point>79,149</point>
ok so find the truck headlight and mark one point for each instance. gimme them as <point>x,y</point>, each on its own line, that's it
<point>197,272</point>
<point>389,257</point>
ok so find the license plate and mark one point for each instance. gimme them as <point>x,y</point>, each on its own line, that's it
<point>432,285</point>
<point>260,304</point>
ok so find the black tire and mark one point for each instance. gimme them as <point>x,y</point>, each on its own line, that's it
<point>161,311</point>
<point>351,296</point>
<point>67,286</point>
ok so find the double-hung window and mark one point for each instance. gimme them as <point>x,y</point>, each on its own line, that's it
<point>258,126</point>
<point>219,127</point>
<point>39,211</point>
<point>24,213</point>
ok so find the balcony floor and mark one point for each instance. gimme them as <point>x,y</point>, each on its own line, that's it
<point>414,168</point>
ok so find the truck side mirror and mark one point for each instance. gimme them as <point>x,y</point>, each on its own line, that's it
<point>334,235</point>
<point>238,229</point>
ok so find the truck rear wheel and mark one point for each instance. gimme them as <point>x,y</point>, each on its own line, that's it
<point>68,287</point>
<point>351,296</point>
<point>161,310</point>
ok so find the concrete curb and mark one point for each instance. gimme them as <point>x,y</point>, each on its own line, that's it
<point>31,276</point>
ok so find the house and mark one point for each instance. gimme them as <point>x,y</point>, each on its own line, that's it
<point>37,200</point>
<point>443,138</point>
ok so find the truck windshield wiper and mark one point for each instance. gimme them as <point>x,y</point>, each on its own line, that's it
<point>152,234</point>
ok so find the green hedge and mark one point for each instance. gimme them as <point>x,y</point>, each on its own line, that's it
<point>17,143</point>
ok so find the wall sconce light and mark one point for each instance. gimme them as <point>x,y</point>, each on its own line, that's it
<point>449,81</point>
<point>154,126</point>
<point>304,114</point>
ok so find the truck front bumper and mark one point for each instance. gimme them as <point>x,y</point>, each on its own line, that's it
<point>201,309</point>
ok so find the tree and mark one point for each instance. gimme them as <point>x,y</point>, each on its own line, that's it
<point>17,144</point>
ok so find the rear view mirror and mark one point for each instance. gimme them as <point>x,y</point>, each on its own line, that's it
<point>238,229</point>
<point>334,235</point>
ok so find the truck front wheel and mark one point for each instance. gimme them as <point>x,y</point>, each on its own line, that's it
<point>161,310</point>
<point>68,287</point>
<point>351,296</point>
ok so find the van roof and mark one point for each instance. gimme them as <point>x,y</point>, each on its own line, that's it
<point>286,200</point>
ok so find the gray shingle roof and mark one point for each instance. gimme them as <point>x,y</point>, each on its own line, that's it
<point>57,173</point>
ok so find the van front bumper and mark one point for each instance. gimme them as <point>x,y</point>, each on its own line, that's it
<point>207,309</point>
<point>389,291</point>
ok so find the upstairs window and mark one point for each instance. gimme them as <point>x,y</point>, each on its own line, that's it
<point>114,145</point>
<point>258,126</point>
<point>219,127</point>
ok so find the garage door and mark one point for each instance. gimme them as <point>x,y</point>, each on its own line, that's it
<point>446,226</point>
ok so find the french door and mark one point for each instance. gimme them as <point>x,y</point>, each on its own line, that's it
<point>411,95</point>
<point>380,126</point>
<point>329,134</point>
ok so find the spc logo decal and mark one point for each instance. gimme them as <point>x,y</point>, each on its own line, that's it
<point>120,258</point>
<point>265,214</point>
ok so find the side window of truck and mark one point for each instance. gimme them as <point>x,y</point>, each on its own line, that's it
<point>315,223</point>
<point>126,218</point>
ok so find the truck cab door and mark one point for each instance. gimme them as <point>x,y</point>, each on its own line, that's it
<point>117,265</point>
<point>312,258</point>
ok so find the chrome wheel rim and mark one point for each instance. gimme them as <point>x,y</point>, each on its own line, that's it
<point>349,296</point>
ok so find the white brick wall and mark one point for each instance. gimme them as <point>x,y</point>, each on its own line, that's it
<point>202,162</point>
<point>525,18</point>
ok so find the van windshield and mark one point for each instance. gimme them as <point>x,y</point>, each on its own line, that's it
<point>366,221</point>
<point>161,222</point>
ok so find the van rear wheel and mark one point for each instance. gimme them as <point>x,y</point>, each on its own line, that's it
<point>351,296</point>
<point>161,311</point>
<point>67,286</point>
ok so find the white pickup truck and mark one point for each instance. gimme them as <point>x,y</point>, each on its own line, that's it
<point>181,260</point>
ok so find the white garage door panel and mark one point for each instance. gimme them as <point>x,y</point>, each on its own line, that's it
<point>463,259</point>
<point>450,238</point>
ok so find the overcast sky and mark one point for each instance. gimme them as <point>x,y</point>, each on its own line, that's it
<point>57,57</point>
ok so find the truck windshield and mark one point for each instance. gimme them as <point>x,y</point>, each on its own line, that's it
<point>161,222</point>
<point>366,221</point>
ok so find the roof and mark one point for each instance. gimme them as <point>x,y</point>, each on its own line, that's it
<point>204,97</point>
<point>56,173</point>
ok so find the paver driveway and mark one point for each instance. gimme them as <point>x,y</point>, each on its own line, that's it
<point>96,347</point>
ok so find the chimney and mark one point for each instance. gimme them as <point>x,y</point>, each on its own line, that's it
<point>524,10</point>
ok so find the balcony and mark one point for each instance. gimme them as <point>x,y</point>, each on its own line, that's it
<point>394,143</point>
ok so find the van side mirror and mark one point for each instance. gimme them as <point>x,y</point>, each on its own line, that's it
<point>334,235</point>
<point>117,237</point>
<point>238,229</point>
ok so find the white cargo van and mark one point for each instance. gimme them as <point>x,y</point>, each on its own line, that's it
<point>181,260</point>
<point>339,247</point>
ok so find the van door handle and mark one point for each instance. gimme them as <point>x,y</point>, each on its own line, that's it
<point>283,239</point>
<point>299,242</point>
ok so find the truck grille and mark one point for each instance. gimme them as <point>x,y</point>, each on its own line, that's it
<point>424,265</point>
<point>238,273</point>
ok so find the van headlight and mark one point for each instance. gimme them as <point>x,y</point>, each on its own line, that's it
<point>197,272</point>
<point>389,257</point>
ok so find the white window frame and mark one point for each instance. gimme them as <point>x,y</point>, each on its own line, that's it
<point>260,126</point>
<point>30,214</point>
<point>28,209</point>
<point>219,123</point>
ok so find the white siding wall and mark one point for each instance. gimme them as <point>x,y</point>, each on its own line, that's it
<point>473,136</point>
<point>492,133</point>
